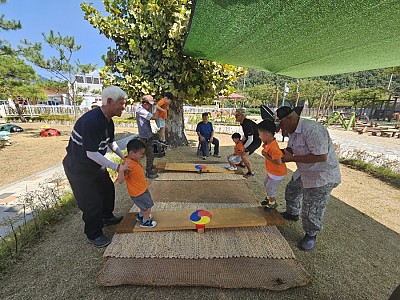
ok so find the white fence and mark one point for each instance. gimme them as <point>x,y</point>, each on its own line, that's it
<point>33,110</point>
<point>70,109</point>
<point>43,109</point>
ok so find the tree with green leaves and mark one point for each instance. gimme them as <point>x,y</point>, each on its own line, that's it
<point>61,65</point>
<point>14,72</point>
<point>263,93</point>
<point>5,47</point>
<point>16,81</point>
<point>147,58</point>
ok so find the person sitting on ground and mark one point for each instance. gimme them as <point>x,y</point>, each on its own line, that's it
<point>235,158</point>
<point>251,140</point>
<point>276,169</point>
<point>136,183</point>
<point>317,174</point>
<point>205,132</point>
<point>162,109</point>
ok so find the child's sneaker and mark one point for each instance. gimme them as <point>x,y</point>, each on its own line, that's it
<point>271,206</point>
<point>139,218</point>
<point>148,224</point>
<point>232,168</point>
<point>265,201</point>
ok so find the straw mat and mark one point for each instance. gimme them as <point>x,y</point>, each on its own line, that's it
<point>202,191</point>
<point>257,242</point>
<point>252,257</point>
<point>242,272</point>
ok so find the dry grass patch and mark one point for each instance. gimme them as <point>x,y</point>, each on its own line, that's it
<point>29,153</point>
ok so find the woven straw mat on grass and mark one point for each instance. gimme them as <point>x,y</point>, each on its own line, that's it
<point>255,242</point>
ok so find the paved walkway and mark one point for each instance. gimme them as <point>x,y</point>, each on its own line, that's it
<point>11,208</point>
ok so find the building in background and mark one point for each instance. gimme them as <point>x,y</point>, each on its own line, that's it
<point>88,89</point>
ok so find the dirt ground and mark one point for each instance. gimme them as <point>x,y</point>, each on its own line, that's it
<point>357,254</point>
<point>29,153</point>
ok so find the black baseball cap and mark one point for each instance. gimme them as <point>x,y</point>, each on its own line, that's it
<point>283,111</point>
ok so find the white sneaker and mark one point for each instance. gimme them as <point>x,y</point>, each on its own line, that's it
<point>227,166</point>
<point>232,168</point>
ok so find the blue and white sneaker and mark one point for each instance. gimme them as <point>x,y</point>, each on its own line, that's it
<point>148,224</point>
<point>140,218</point>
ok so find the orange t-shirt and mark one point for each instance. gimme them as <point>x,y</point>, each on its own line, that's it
<point>239,148</point>
<point>274,152</point>
<point>163,105</point>
<point>135,180</point>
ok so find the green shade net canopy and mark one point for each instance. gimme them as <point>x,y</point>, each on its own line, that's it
<point>297,38</point>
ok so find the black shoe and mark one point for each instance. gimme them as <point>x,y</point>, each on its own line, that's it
<point>308,242</point>
<point>269,206</point>
<point>217,155</point>
<point>112,221</point>
<point>249,174</point>
<point>151,175</point>
<point>101,241</point>
<point>288,216</point>
<point>164,143</point>
<point>241,165</point>
<point>265,201</point>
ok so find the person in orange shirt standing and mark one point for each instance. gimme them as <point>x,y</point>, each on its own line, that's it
<point>162,108</point>
<point>276,169</point>
<point>136,183</point>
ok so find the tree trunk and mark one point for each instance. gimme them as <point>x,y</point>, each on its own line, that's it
<point>175,133</point>
<point>20,112</point>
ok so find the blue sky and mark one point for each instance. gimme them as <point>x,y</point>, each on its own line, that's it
<point>64,16</point>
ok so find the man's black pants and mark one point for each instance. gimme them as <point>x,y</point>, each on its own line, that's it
<point>94,193</point>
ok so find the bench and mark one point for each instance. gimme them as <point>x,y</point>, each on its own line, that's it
<point>389,132</point>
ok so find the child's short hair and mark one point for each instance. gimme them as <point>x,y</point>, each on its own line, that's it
<point>135,145</point>
<point>267,125</point>
<point>204,114</point>
<point>236,135</point>
<point>169,96</point>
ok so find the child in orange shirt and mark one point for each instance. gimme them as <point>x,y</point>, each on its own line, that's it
<point>162,109</point>
<point>137,184</point>
<point>276,169</point>
<point>235,158</point>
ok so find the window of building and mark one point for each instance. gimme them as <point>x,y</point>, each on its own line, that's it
<point>89,79</point>
<point>79,79</point>
<point>96,80</point>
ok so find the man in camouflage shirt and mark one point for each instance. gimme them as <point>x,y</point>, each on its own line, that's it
<point>317,174</point>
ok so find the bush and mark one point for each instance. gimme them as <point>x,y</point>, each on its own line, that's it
<point>253,111</point>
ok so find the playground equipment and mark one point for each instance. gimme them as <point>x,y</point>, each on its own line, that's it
<point>338,117</point>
